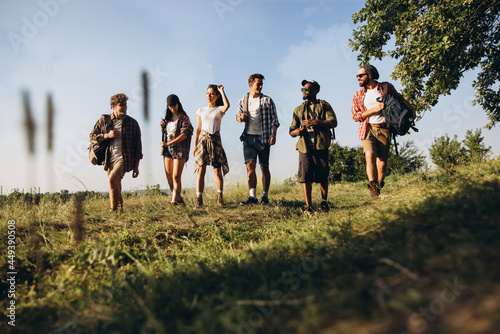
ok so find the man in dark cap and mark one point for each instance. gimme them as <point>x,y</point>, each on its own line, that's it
<point>373,126</point>
<point>313,121</point>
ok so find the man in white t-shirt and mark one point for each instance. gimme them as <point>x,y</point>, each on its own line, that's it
<point>373,127</point>
<point>258,112</point>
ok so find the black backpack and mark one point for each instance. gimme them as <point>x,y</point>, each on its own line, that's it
<point>97,151</point>
<point>398,115</point>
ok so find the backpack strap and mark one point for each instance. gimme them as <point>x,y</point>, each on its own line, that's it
<point>108,122</point>
<point>395,144</point>
<point>245,111</point>
<point>385,89</point>
<point>323,103</point>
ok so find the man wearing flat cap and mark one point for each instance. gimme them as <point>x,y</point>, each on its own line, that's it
<point>373,126</point>
<point>313,121</point>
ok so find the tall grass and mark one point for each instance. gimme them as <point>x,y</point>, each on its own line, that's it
<point>364,267</point>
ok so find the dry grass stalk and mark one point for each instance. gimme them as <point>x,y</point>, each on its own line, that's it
<point>77,226</point>
<point>145,92</point>
<point>50,123</point>
<point>29,123</point>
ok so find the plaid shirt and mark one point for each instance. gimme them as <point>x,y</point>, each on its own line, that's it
<point>209,151</point>
<point>358,106</point>
<point>131,141</point>
<point>268,116</point>
<point>181,149</point>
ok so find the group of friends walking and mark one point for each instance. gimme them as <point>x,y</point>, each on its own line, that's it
<point>313,123</point>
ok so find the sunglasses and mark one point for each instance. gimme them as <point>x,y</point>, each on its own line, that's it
<point>305,89</point>
<point>361,75</point>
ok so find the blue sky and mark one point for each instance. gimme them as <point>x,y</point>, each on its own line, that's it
<point>83,52</point>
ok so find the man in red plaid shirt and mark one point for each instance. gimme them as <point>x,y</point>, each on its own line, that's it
<point>373,126</point>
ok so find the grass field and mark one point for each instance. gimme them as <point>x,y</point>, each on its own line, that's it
<point>421,259</point>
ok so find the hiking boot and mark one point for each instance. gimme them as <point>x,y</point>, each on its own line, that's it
<point>220,199</point>
<point>374,190</point>
<point>324,206</point>
<point>198,203</point>
<point>250,200</point>
<point>264,200</point>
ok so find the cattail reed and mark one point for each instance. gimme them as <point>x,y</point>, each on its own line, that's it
<point>29,123</point>
<point>50,123</point>
<point>145,93</point>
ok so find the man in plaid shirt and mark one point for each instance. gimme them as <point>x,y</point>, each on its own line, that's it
<point>258,112</point>
<point>373,126</point>
<point>124,150</point>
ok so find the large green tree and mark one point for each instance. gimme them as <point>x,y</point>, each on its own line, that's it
<point>435,42</point>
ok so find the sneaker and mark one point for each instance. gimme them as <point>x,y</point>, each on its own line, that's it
<point>264,200</point>
<point>250,200</point>
<point>374,191</point>
<point>220,199</point>
<point>198,203</point>
<point>324,206</point>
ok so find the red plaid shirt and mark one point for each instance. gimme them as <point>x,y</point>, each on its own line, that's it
<point>358,106</point>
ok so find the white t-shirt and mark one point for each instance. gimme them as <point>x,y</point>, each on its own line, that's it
<point>171,127</point>
<point>254,126</point>
<point>370,102</point>
<point>210,118</point>
<point>116,145</point>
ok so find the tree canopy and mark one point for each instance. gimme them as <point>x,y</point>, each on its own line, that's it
<point>435,42</point>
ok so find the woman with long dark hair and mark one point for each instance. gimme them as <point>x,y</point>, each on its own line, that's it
<point>177,131</point>
<point>208,150</point>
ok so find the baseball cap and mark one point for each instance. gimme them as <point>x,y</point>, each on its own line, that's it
<point>312,82</point>
<point>172,100</point>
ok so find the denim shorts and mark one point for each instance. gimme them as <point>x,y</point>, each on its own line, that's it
<point>253,148</point>
<point>172,153</point>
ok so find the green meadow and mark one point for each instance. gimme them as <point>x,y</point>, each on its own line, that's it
<point>424,258</point>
